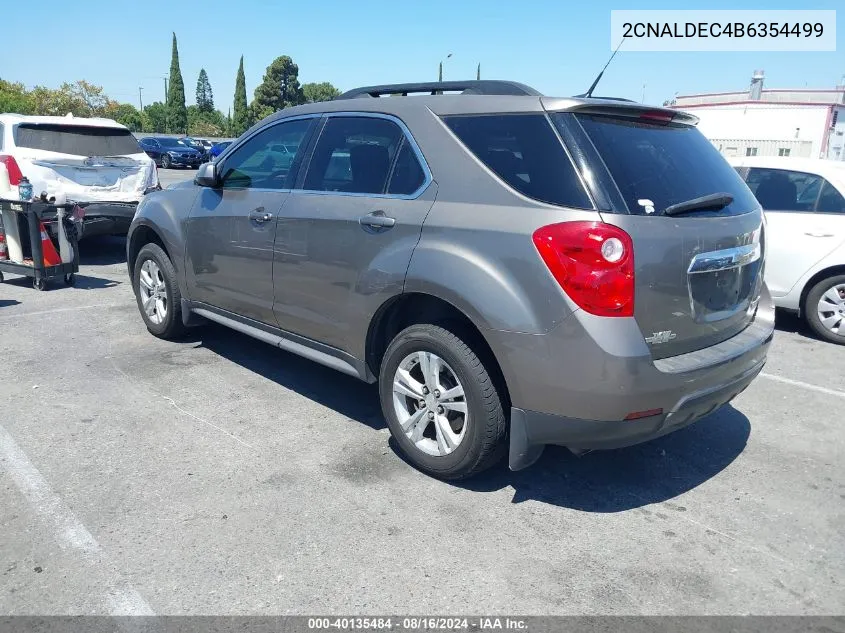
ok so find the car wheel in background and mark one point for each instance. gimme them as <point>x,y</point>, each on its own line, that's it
<point>157,292</point>
<point>165,161</point>
<point>440,403</point>
<point>824,309</point>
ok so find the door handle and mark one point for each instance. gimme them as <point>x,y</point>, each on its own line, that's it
<point>260,215</point>
<point>818,233</point>
<point>376,219</point>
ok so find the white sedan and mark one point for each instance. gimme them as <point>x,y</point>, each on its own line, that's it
<point>804,201</point>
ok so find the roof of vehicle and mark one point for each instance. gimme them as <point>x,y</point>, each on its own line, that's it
<point>829,169</point>
<point>62,120</point>
<point>449,104</point>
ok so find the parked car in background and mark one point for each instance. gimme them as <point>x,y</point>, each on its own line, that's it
<point>218,148</point>
<point>513,271</point>
<point>168,152</point>
<point>199,145</point>
<point>804,202</point>
<point>95,162</point>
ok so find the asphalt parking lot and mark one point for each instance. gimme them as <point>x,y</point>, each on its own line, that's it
<point>218,475</point>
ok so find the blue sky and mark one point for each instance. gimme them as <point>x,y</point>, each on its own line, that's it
<point>556,49</point>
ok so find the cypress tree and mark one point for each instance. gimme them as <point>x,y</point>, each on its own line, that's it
<point>177,113</point>
<point>240,116</point>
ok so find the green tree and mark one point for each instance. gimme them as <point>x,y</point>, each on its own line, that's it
<point>205,123</point>
<point>125,114</point>
<point>15,98</point>
<point>177,114</point>
<point>322,91</point>
<point>50,102</point>
<point>240,116</point>
<point>155,117</point>
<point>205,98</point>
<point>86,98</point>
<point>280,87</point>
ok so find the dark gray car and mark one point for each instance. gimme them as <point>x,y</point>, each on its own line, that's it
<point>513,270</point>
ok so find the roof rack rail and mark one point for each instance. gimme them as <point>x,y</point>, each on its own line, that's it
<point>477,87</point>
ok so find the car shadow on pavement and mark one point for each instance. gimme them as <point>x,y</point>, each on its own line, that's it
<point>102,250</point>
<point>348,396</point>
<point>82,282</point>
<point>624,479</point>
<point>786,321</point>
<point>5,303</point>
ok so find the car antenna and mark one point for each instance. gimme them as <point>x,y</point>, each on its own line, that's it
<point>589,92</point>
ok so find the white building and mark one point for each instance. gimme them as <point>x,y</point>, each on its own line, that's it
<point>763,122</point>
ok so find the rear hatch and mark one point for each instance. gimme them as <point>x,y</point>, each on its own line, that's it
<point>88,163</point>
<point>699,271</point>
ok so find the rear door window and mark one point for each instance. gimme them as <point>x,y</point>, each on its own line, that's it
<point>524,151</point>
<point>658,164</point>
<point>77,140</point>
<point>784,189</point>
<point>830,200</point>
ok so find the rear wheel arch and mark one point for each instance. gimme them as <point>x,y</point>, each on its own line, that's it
<point>414,308</point>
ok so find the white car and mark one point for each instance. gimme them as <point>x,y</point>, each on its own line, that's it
<point>96,163</point>
<point>804,203</point>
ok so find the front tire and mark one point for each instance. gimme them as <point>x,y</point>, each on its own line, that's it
<point>165,162</point>
<point>824,309</point>
<point>440,403</point>
<point>157,292</point>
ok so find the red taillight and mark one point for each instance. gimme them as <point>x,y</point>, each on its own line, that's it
<point>639,415</point>
<point>15,174</point>
<point>658,115</point>
<point>594,264</point>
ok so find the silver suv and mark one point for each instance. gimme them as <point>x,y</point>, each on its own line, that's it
<point>513,270</point>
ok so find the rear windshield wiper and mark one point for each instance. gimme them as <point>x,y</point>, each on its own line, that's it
<point>714,201</point>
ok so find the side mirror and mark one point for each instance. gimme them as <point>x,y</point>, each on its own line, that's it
<point>207,176</point>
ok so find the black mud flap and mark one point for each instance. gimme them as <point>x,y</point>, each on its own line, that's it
<point>522,453</point>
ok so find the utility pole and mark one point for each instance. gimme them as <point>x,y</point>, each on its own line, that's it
<point>140,99</point>
<point>478,72</point>
<point>440,72</point>
<point>165,90</point>
<point>643,99</point>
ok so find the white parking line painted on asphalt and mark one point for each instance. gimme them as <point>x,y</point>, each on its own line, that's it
<point>119,596</point>
<point>805,385</point>
<point>23,315</point>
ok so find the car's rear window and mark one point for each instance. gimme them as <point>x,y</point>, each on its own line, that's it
<point>524,151</point>
<point>656,165</point>
<point>77,140</point>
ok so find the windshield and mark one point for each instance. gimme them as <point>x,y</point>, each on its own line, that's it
<point>656,165</point>
<point>172,142</point>
<point>77,140</point>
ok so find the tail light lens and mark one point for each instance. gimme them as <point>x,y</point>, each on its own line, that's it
<point>15,174</point>
<point>593,263</point>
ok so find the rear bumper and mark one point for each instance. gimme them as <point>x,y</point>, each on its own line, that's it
<point>107,218</point>
<point>575,386</point>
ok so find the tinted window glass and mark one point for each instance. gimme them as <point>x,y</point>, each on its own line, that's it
<point>353,154</point>
<point>523,150</point>
<point>830,200</point>
<point>261,162</point>
<point>77,140</point>
<point>657,164</point>
<point>408,175</point>
<point>784,190</point>
<point>172,143</point>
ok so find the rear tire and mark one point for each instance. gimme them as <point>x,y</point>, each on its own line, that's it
<point>824,309</point>
<point>474,439</point>
<point>157,292</point>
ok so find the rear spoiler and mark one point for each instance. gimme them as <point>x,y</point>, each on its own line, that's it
<point>621,109</point>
